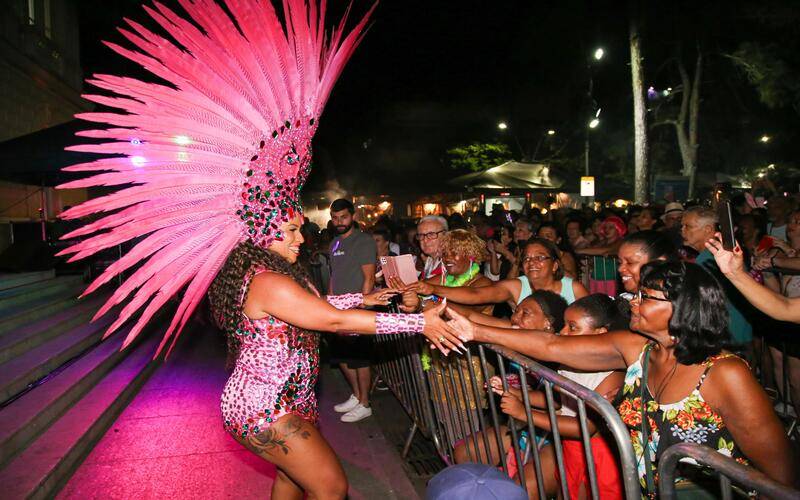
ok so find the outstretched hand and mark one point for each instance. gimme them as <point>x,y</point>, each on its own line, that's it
<point>460,323</point>
<point>380,297</point>
<point>729,261</point>
<point>411,300</point>
<point>439,333</point>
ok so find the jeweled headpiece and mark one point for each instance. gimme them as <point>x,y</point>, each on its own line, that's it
<point>213,157</point>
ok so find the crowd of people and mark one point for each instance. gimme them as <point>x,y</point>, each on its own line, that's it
<point>642,305</point>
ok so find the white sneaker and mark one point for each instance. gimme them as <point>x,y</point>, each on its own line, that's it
<point>360,412</point>
<point>347,405</point>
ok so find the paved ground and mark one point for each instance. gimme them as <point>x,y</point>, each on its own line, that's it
<point>169,442</point>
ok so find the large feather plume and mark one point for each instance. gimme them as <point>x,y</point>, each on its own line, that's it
<point>182,148</point>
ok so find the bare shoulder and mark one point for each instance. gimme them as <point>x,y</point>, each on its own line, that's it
<point>482,282</point>
<point>578,289</point>
<point>730,373</point>
<point>628,343</point>
<point>271,284</point>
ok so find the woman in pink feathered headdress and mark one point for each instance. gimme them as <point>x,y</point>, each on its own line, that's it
<point>211,168</point>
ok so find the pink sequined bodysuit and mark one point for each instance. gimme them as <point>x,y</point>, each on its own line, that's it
<point>275,372</point>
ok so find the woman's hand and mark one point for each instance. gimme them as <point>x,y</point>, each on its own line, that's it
<point>459,323</point>
<point>763,260</point>
<point>379,297</point>
<point>410,303</point>
<point>421,288</point>
<point>784,247</point>
<point>512,406</point>
<point>496,384</point>
<point>729,262</point>
<point>439,333</point>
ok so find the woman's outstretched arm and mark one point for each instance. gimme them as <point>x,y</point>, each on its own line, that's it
<point>496,293</point>
<point>280,296</point>
<point>610,351</point>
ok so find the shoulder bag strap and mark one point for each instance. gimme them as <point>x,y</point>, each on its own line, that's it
<point>648,463</point>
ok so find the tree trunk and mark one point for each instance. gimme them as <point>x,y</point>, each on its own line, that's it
<point>641,173</point>
<point>688,153</point>
<point>694,114</point>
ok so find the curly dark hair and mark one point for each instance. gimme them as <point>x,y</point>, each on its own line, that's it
<point>224,294</point>
<point>699,320</point>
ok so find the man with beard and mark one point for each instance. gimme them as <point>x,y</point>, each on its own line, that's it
<point>353,257</point>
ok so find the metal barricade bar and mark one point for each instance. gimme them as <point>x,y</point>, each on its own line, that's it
<point>728,469</point>
<point>452,404</point>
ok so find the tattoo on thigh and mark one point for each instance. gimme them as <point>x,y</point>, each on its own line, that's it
<point>275,437</point>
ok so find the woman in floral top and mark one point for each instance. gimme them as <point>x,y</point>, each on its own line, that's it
<point>696,391</point>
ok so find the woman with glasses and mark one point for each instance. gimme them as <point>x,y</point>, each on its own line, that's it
<point>542,271</point>
<point>681,380</point>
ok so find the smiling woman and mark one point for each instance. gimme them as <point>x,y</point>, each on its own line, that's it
<point>681,380</point>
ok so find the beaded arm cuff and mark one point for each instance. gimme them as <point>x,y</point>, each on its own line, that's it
<point>346,300</point>
<point>399,323</point>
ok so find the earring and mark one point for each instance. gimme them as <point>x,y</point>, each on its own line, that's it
<point>674,339</point>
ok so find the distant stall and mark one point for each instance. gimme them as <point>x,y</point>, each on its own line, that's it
<point>513,184</point>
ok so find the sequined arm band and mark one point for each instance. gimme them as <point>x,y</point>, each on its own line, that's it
<point>399,323</point>
<point>346,300</point>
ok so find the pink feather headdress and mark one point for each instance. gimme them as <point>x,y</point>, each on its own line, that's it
<point>214,158</point>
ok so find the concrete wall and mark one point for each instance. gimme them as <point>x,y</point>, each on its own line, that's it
<point>40,74</point>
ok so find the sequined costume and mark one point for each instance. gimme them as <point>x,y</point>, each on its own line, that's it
<point>276,370</point>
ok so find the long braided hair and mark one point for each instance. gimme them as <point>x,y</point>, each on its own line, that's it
<point>225,298</point>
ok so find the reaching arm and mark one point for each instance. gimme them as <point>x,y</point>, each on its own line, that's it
<point>480,318</point>
<point>278,295</point>
<point>610,351</point>
<point>734,393</point>
<point>773,304</point>
<point>495,293</point>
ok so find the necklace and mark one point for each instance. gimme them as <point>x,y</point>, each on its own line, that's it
<point>462,279</point>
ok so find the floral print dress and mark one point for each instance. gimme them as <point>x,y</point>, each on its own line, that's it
<point>690,420</point>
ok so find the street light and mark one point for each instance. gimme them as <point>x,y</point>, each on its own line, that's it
<point>599,53</point>
<point>551,132</point>
<point>765,138</point>
<point>502,125</point>
<point>594,123</point>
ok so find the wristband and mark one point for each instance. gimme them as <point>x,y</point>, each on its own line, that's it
<point>346,301</point>
<point>386,323</point>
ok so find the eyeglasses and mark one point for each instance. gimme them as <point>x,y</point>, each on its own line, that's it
<point>430,236</point>
<point>538,259</point>
<point>640,296</point>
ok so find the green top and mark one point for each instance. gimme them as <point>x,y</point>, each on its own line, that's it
<point>741,329</point>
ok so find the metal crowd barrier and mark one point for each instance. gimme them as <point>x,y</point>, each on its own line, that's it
<point>450,403</point>
<point>729,470</point>
<point>400,367</point>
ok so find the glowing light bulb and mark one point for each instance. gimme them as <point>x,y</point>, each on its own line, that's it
<point>502,125</point>
<point>594,123</point>
<point>599,53</point>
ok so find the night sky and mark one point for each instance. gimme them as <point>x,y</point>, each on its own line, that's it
<point>431,75</point>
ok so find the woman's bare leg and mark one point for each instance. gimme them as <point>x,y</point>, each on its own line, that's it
<point>466,452</point>
<point>305,460</point>
<point>284,487</point>
<point>548,461</point>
